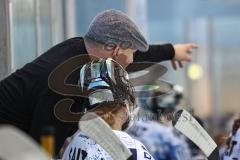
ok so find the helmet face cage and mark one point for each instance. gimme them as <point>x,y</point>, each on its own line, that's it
<point>108,79</point>
<point>170,100</point>
<point>158,99</point>
<point>166,101</point>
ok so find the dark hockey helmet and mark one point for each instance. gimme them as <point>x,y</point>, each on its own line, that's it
<point>161,96</point>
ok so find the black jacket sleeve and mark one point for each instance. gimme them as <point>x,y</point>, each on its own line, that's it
<point>155,53</point>
<point>21,92</point>
<point>15,91</point>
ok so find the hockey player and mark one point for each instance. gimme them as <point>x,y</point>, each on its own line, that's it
<point>153,128</point>
<point>110,95</point>
<point>233,150</point>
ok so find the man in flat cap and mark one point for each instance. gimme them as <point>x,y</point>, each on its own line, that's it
<point>27,98</point>
<point>114,33</point>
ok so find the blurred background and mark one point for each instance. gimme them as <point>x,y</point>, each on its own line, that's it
<point>211,81</point>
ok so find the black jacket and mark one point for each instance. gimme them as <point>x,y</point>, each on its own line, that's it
<point>26,101</point>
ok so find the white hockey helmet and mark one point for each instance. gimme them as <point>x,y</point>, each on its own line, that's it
<point>105,80</point>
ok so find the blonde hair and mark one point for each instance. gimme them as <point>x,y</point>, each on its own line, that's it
<point>108,111</point>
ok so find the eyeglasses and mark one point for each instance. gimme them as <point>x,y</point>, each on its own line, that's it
<point>111,45</point>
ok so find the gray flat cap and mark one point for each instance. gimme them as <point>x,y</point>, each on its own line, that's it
<point>113,26</point>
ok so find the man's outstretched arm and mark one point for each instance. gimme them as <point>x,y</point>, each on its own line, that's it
<point>158,53</point>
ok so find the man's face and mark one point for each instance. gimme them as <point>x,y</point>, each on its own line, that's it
<point>124,56</point>
<point>121,52</point>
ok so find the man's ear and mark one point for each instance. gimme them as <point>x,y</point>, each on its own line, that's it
<point>115,52</point>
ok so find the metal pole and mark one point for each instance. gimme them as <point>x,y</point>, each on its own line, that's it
<point>137,10</point>
<point>8,26</point>
<point>5,54</point>
<point>37,24</point>
<point>57,19</point>
<point>70,18</point>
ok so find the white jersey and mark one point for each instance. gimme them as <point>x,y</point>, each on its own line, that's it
<point>161,141</point>
<point>84,148</point>
<point>233,152</point>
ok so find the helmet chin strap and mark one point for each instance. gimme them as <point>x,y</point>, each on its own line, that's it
<point>126,125</point>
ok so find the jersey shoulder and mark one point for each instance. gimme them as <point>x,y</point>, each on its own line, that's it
<point>237,136</point>
<point>137,148</point>
<point>83,147</point>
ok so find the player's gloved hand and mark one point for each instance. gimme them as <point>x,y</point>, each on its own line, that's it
<point>182,53</point>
